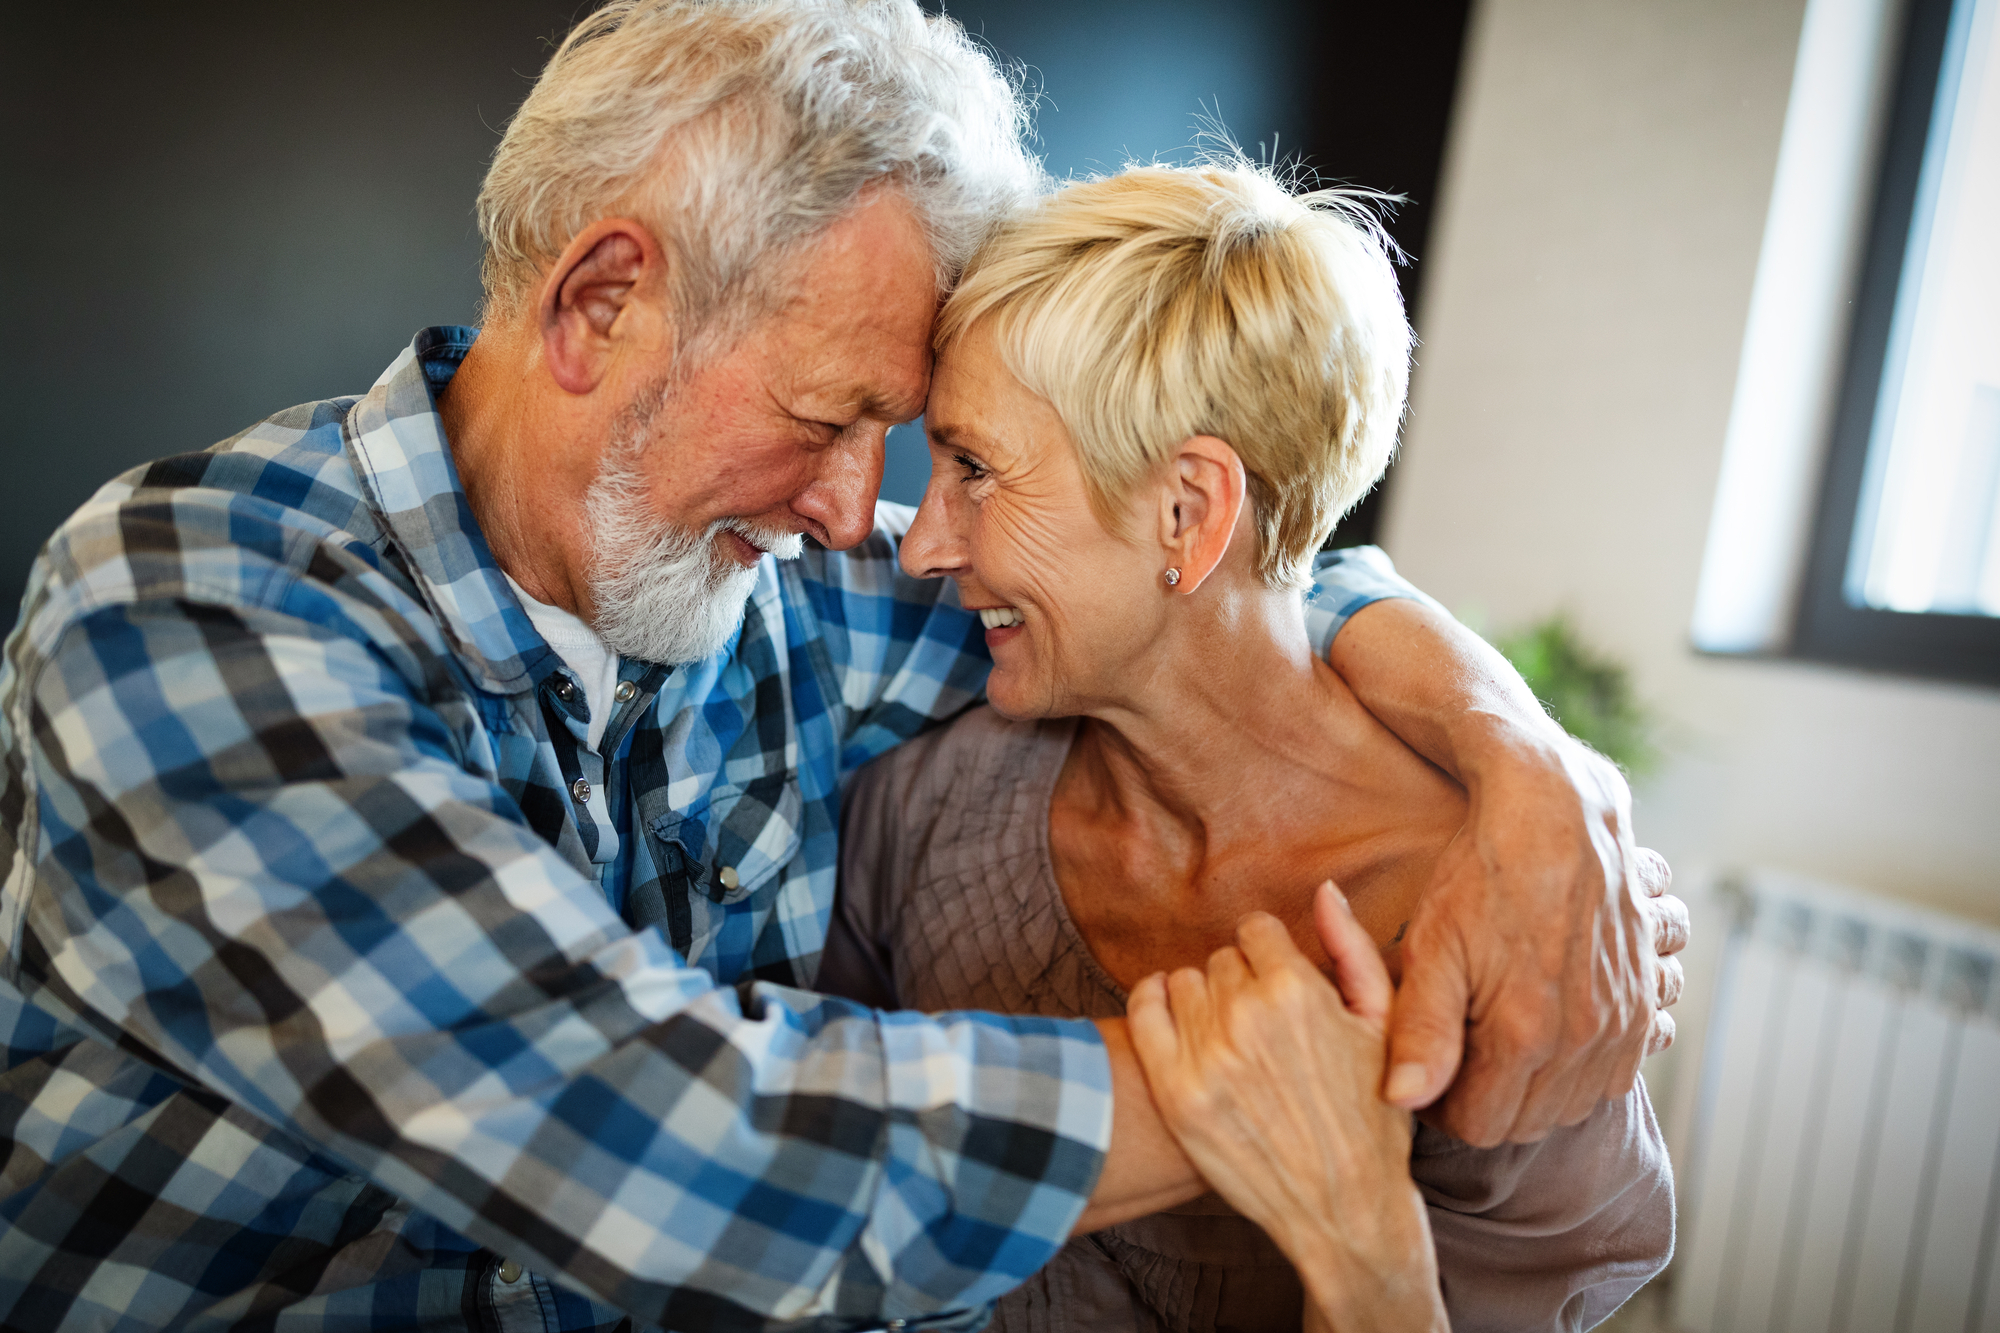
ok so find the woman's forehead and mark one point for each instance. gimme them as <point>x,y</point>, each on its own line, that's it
<point>976,402</point>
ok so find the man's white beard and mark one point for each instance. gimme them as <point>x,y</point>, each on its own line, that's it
<point>662,593</point>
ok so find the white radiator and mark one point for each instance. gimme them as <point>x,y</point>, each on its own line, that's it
<point>1845,1175</point>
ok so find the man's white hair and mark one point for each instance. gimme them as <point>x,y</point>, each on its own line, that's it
<point>740,130</point>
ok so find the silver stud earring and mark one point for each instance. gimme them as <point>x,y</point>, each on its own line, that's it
<point>1173,577</point>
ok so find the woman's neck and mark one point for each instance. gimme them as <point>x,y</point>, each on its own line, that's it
<point>1238,774</point>
<point>1227,712</point>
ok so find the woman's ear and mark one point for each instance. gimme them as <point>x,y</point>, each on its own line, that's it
<point>1204,497</point>
<point>607,286</point>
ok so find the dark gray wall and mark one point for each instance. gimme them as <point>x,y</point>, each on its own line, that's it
<point>216,210</point>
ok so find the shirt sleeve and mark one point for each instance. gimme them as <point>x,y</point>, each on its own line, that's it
<point>266,863</point>
<point>1346,580</point>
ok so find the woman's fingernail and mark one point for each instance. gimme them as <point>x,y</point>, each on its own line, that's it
<point>1405,1081</point>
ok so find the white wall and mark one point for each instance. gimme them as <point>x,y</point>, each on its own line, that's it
<point>1603,205</point>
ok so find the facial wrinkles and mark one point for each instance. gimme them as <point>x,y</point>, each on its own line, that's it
<point>660,591</point>
<point>1037,544</point>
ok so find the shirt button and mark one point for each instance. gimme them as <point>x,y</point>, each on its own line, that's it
<point>730,879</point>
<point>626,689</point>
<point>580,789</point>
<point>510,1272</point>
<point>565,690</point>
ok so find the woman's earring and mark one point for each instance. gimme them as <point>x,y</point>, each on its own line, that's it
<point>1173,577</point>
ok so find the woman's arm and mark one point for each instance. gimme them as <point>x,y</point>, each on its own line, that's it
<point>1269,1081</point>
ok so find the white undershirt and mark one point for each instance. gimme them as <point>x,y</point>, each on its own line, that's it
<point>594,665</point>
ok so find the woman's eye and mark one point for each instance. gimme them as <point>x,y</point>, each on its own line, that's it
<point>970,466</point>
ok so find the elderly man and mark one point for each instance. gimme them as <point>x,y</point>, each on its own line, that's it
<point>421,806</point>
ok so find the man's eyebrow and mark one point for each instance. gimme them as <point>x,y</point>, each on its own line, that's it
<point>881,406</point>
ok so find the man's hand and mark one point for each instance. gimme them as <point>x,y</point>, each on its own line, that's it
<point>1540,962</point>
<point>1671,929</point>
<point>1535,957</point>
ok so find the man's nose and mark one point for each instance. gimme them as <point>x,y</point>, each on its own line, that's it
<point>841,498</point>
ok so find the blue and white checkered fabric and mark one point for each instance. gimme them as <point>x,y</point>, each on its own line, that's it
<point>337,966</point>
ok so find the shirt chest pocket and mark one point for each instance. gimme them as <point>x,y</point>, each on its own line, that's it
<point>730,844</point>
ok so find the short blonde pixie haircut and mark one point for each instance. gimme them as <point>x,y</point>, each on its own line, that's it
<point>1164,302</point>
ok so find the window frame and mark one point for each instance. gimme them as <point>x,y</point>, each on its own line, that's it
<point>1829,628</point>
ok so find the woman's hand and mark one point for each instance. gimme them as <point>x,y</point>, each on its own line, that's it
<point>1269,1080</point>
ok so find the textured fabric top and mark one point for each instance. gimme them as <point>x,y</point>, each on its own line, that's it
<point>949,899</point>
<point>331,972</point>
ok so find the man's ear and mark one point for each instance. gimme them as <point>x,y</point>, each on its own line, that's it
<point>1205,494</point>
<point>607,286</point>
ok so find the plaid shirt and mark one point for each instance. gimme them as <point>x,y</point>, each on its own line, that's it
<point>338,967</point>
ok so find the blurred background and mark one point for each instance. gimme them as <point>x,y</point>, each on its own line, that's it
<point>1705,431</point>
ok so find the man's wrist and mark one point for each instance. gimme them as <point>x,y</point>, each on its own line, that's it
<point>1486,745</point>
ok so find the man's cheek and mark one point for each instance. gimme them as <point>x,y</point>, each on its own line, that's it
<point>748,478</point>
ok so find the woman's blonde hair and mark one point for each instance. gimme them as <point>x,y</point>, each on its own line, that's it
<point>1167,302</point>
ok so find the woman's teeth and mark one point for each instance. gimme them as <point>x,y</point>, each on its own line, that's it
<point>999,617</point>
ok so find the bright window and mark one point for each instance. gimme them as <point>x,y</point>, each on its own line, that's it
<point>1927,534</point>
<point>1904,573</point>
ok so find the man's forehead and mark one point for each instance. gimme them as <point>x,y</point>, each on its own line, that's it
<point>856,373</point>
<point>860,307</point>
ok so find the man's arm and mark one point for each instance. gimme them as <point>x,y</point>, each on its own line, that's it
<point>1145,1169</point>
<point>264,861</point>
<point>1529,974</point>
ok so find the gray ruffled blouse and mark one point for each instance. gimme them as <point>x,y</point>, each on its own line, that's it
<point>948,900</point>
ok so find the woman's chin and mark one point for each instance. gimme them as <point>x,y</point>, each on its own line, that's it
<point>1013,699</point>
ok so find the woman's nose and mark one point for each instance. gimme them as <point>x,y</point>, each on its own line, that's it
<point>932,548</point>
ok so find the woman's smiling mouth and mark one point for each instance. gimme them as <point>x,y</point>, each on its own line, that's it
<point>1002,623</point>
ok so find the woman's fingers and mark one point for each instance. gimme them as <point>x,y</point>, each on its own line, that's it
<point>1229,973</point>
<point>1193,1003</point>
<point>1154,1038</point>
<point>1265,944</point>
<point>1357,967</point>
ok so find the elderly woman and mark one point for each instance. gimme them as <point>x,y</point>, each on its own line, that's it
<point>1155,395</point>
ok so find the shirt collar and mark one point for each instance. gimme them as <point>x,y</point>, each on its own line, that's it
<point>397,442</point>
